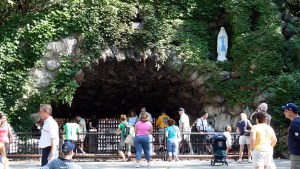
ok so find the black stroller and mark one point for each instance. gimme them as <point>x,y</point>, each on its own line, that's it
<point>219,149</point>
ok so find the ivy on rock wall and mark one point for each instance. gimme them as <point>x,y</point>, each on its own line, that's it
<point>256,49</point>
<point>101,24</point>
<point>170,26</point>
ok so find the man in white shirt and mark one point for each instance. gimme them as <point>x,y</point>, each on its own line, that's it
<point>202,124</point>
<point>82,131</point>
<point>184,126</point>
<point>49,135</point>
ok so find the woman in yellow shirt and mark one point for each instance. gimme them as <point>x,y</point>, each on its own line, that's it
<point>262,141</point>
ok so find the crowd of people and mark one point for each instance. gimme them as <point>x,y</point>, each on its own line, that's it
<point>259,136</point>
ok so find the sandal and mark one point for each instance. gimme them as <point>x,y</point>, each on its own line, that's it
<point>128,159</point>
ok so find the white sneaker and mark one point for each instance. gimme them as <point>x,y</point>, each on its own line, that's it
<point>239,160</point>
<point>249,160</point>
<point>137,165</point>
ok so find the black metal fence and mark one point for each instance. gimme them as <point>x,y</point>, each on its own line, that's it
<point>106,143</point>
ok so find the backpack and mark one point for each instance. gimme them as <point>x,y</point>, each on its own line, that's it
<point>127,129</point>
<point>165,120</point>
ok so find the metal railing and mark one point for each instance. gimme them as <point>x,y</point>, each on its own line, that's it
<point>106,144</point>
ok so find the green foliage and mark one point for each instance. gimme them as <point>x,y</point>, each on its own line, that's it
<point>256,49</point>
<point>255,53</point>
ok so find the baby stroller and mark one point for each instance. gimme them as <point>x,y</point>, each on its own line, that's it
<point>219,149</point>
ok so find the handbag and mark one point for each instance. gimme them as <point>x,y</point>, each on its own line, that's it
<point>129,140</point>
<point>246,131</point>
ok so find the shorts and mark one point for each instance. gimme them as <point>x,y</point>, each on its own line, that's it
<point>244,140</point>
<point>81,137</point>
<point>186,137</point>
<point>122,144</point>
<point>295,161</point>
<point>263,158</point>
<point>161,135</point>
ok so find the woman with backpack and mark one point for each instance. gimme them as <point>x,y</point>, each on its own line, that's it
<point>243,127</point>
<point>122,129</point>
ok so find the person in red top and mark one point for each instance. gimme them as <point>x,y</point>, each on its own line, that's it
<point>5,131</point>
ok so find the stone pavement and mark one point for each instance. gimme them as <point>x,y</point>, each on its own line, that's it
<point>184,164</point>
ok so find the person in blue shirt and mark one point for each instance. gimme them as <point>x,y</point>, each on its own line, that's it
<point>173,138</point>
<point>64,162</point>
<point>291,112</point>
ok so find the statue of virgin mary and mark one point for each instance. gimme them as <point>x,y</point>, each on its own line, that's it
<point>222,45</point>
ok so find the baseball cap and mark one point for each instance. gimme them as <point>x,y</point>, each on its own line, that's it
<point>67,147</point>
<point>180,109</point>
<point>291,106</point>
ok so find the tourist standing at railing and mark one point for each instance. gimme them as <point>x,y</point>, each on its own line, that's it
<point>71,129</point>
<point>93,123</point>
<point>291,112</point>
<point>162,123</point>
<point>262,142</point>
<point>202,123</point>
<point>143,128</point>
<point>143,110</point>
<point>82,132</point>
<point>173,137</point>
<point>133,118</point>
<point>122,129</point>
<point>185,128</point>
<point>64,162</point>
<point>244,138</point>
<point>49,135</point>
<point>6,135</point>
<point>228,138</point>
<point>3,159</point>
<point>263,107</point>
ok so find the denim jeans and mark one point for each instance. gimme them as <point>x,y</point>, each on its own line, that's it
<point>172,146</point>
<point>142,143</point>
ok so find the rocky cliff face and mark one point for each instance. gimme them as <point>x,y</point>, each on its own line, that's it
<point>121,80</point>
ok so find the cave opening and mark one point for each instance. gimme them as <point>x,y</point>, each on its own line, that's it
<point>112,87</point>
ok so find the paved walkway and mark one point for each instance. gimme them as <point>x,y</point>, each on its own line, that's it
<point>185,164</point>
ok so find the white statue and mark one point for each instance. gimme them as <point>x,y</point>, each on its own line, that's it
<point>222,45</point>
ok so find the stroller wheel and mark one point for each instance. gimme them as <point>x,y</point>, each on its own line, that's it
<point>226,163</point>
<point>212,162</point>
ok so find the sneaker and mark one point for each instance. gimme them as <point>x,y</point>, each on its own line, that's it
<point>239,160</point>
<point>137,165</point>
<point>169,159</point>
<point>249,160</point>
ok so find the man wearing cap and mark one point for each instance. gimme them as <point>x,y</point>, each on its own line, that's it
<point>263,107</point>
<point>64,162</point>
<point>184,126</point>
<point>291,112</point>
